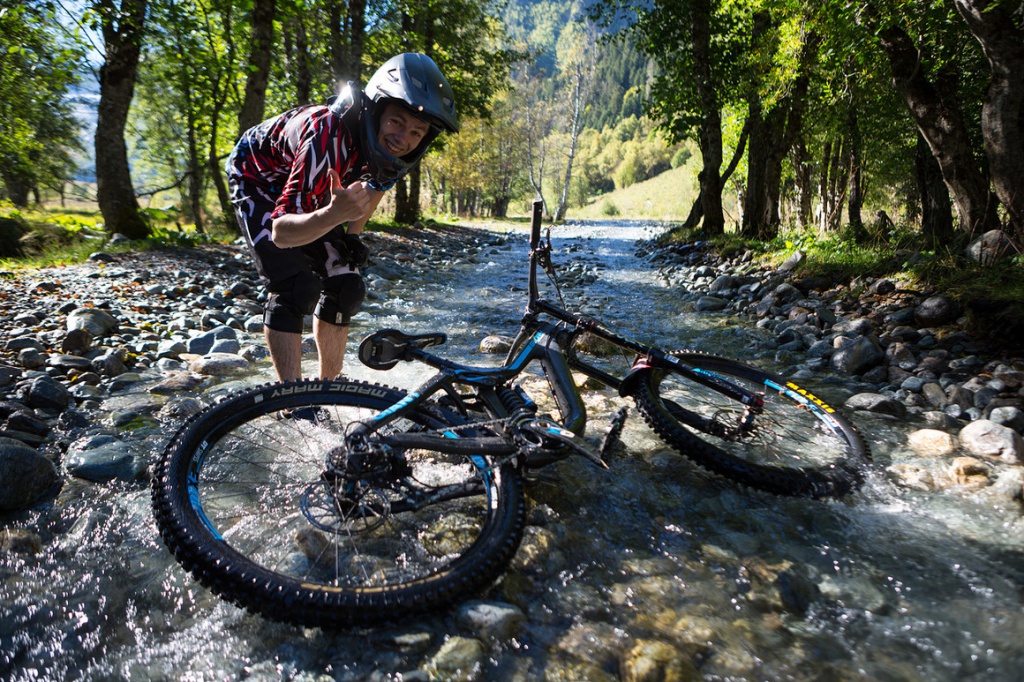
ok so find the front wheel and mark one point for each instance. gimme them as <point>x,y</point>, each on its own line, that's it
<point>796,445</point>
<point>245,497</point>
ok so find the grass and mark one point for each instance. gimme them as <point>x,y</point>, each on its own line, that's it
<point>667,196</point>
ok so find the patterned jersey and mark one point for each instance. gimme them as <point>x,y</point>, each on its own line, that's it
<point>285,160</point>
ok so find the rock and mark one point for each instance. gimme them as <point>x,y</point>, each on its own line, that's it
<point>969,471</point>
<point>8,375</point>
<point>20,541</point>
<point>1008,416</point>
<point>219,364</point>
<point>25,475</point>
<point>30,358</point>
<point>47,394</point>
<point>875,402</point>
<point>99,322</point>
<point>123,381</point>
<point>655,661</point>
<point>793,262</point>
<point>984,438</point>
<point>102,459</point>
<point>858,356</point>
<point>231,346</point>
<point>882,287</point>
<point>725,282</point>
<point>176,382</point>
<point>460,659</point>
<point>797,590</point>
<point>913,476</point>
<point>931,442</point>
<point>711,303</point>
<point>990,247</point>
<point>203,343</point>
<point>111,363</point>
<point>936,311</point>
<point>180,409</point>
<point>495,344</point>
<point>491,620</point>
<point>934,394</point>
<point>76,341</point>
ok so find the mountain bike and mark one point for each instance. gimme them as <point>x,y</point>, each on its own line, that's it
<point>338,502</point>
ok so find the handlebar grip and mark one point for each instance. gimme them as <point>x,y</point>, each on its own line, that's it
<point>538,209</point>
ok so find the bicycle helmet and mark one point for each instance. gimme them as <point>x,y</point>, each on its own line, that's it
<point>412,80</point>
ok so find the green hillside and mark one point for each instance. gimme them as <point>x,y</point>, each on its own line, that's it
<point>668,196</point>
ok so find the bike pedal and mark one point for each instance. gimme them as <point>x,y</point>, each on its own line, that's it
<point>611,436</point>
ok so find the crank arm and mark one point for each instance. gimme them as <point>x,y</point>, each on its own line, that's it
<point>551,431</point>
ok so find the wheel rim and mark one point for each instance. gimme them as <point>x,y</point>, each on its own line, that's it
<point>256,486</point>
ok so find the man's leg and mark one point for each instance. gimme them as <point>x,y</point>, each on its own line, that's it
<point>331,341</point>
<point>285,353</point>
<point>339,301</point>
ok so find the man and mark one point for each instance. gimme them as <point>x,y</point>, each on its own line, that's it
<point>305,182</point>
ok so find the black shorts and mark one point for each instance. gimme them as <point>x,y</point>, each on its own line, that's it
<point>274,264</point>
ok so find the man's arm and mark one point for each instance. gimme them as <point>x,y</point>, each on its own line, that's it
<point>353,205</point>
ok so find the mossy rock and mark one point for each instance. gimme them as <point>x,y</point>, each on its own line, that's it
<point>11,232</point>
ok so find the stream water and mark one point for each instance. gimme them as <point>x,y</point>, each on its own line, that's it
<point>654,563</point>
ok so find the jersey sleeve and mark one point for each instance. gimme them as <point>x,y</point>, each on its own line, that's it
<point>308,184</point>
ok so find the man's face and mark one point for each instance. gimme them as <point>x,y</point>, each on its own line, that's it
<point>400,131</point>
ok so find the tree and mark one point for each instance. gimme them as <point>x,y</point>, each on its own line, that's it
<point>578,58</point>
<point>935,106</point>
<point>257,68</point>
<point>122,27</point>
<point>184,85</point>
<point>999,27</point>
<point>38,129</point>
<point>699,48</point>
<point>777,100</point>
<point>463,37</point>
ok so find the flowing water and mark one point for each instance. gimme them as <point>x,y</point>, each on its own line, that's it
<point>654,563</point>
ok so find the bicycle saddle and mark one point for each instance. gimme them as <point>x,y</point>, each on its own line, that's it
<point>385,348</point>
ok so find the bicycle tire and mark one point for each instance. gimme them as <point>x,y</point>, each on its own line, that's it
<point>233,492</point>
<point>800,447</point>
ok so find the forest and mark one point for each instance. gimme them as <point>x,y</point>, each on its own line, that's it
<point>864,116</point>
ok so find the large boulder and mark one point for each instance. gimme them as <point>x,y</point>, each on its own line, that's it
<point>25,475</point>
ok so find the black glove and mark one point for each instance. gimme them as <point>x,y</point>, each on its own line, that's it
<point>358,254</point>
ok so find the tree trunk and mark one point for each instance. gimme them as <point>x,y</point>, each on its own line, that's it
<point>1000,33</point>
<point>755,203</point>
<point>772,137</point>
<point>258,67</point>
<point>802,174</point>
<point>535,161</point>
<point>356,33</point>
<point>710,133</point>
<point>855,180</point>
<point>936,210</point>
<point>122,40</point>
<point>937,114</point>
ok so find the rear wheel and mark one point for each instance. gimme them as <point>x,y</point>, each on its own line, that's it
<point>242,499</point>
<point>797,444</point>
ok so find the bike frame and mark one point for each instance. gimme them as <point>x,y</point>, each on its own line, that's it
<point>549,342</point>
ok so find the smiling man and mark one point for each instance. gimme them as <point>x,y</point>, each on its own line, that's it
<point>305,182</point>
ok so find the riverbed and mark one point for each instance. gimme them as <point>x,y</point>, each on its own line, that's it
<point>652,570</point>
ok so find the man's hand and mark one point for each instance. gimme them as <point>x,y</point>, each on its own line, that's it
<point>353,205</point>
<point>347,203</point>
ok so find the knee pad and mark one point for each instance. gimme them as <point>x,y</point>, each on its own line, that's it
<point>290,301</point>
<point>340,299</point>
